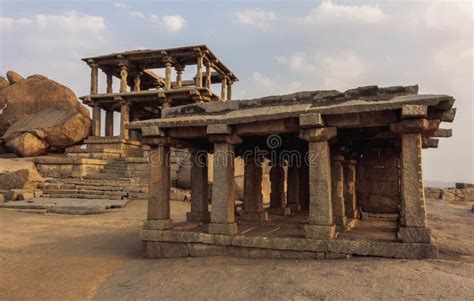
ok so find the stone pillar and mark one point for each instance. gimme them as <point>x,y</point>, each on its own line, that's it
<point>321,224</point>
<point>293,188</point>
<point>123,79</point>
<point>337,191</point>
<point>413,223</point>
<point>350,195</point>
<point>253,197</point>
<point>109,123</point>
<point>223,88</point>
<point>137,83</point>
<point>199,71</point>
<point>179,75</point>
<point>124,120</point>
<point>277,190</point>
<point>168,75</point>
<point>94,77</point>
<point>110,82</point>
<point>223,199</point>
<point>199,181</point>
<point>208,75</point>
<point>229,90</point>
<point>96,120</point>
<point>158,215</point>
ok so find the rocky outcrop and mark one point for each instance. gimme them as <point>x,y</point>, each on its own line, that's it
<point>14,77</point>
<point>18,179</point>
<point>463,193</point>
<point>48,130</point>
<point>23,97</point>
<point>3,83</point>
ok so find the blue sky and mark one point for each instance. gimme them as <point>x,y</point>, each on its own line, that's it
<point>274,47</point>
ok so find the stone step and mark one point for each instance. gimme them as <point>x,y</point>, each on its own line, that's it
<point>83,196</point>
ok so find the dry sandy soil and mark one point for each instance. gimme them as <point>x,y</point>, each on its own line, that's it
<point>58,257</point>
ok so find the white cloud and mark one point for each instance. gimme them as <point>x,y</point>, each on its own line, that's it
<point>330,12</point>
<point>171,23</point>
<point>258,18</point>
<point>266,85</point>
<point>9,23</point>
<point>120,5</point>
<point>339,70</point>
<point>71,21</point>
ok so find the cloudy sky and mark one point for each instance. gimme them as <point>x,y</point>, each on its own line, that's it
<point>274,47</point>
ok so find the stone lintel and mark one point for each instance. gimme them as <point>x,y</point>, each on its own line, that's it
<point>414,111</point>
<point>153,130</point>
<point>448,116</point>
<point>338,157</point>
<point>443,133</point>
<point>319,232</point>
<point>311,120</point>
<point>318,134</point>
<point>414,234</point>
<point>430,143</point>
<point>159,224</point>
<point>219,129</point>
<point>415,126</point>
<point>223,229</point>
<point>230,139</point>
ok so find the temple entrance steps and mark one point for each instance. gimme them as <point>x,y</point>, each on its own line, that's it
<point>94,187</point>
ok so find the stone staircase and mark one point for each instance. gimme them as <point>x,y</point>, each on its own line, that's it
<point>94,187</point>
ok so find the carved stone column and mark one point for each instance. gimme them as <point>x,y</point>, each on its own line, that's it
<point>321,223</point>
<point>223,199</point>
<point>199,64</point>
<point>179,75</point>
<point>94,76</point>
<point>96,120</point>
<point>229,90</point>
<point>223,88</point>
<point>158,215</point>
<point>337,190</point>
<point>350,195</point>
<point>109,123</point>
<point>168,75</point>
<point>253,197</point>
<point>124,120</point>
<point>109,83</point>
<point>137,82</point>
<point>293,187</point>
<point>199,184</point>
<point>123,79</point>
<point>208,75</point>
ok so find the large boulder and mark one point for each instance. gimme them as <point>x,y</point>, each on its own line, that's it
<point>14,77</point>
<point>32,95</point>
<point>18,173</point>
<point>3,84</point>
<point>48,130</point>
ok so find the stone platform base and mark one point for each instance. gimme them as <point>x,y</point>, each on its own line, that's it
<point>178,243</point>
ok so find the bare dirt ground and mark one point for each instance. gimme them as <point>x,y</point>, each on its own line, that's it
<point>58,257</point>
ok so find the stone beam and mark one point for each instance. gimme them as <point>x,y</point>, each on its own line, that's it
<point>261,128</point>
<point>415,126</point>
<point>311,120</point>
<point>444,133</point>
<point>414,111</point>
<point>430,143</point>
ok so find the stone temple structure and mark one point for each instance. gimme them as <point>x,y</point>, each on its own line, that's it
<point>142,92</point>
<point>346,174</point>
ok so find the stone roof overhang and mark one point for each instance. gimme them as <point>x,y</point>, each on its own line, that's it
<point>155,58</point>
<point>356,108</point>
